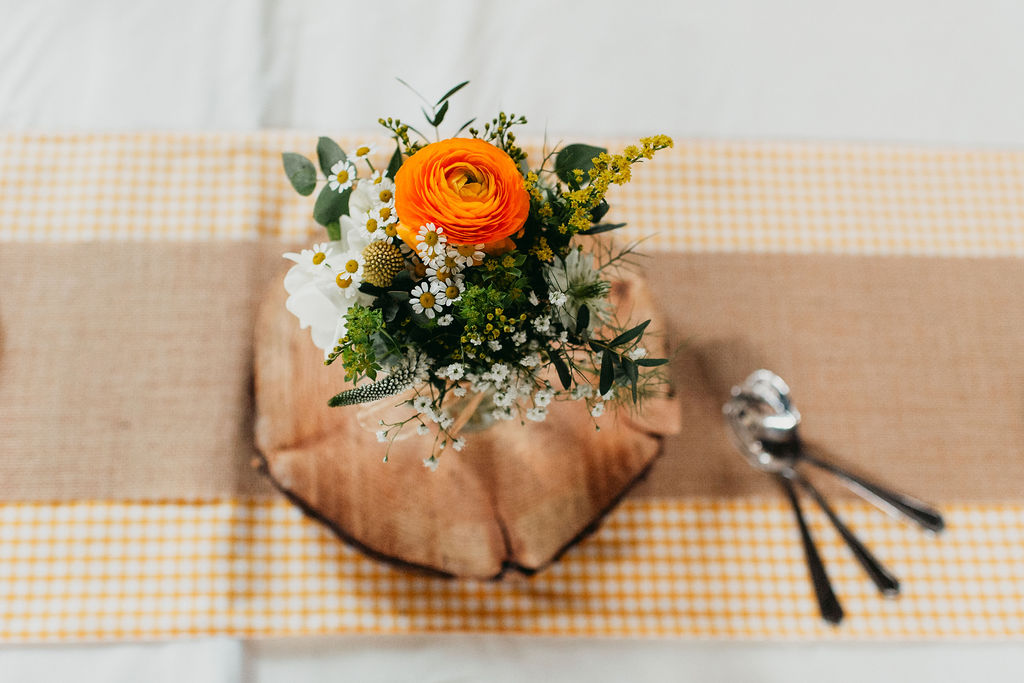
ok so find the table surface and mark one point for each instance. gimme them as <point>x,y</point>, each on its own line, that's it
<point>916,73</point>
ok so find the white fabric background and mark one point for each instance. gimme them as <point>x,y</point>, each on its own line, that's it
<point>918,71</point>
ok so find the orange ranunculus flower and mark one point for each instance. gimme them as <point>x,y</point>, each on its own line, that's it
<point>469,187</point>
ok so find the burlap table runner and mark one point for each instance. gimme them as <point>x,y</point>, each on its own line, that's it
<point>126,368</point>
<point>883,282</point>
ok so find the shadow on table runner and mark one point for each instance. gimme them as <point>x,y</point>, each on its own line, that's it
<point>125,369</point>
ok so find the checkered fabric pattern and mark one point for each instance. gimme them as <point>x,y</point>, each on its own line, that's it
<point>657,568</point>
<point>699,196</point>
<point>103,570</point>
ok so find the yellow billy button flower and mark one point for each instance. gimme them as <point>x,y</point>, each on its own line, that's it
<point>382,261</point>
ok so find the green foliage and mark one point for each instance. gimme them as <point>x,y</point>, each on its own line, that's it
<point>573,157</point>
<point>301,172</point>
<point>328,153</point>
<point>330,205</point>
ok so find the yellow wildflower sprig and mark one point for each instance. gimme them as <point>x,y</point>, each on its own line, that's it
<point>608,170</point>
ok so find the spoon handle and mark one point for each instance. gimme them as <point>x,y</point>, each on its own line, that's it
<point>888,584</point>
<point>888,501</point>
<point>828,603</point>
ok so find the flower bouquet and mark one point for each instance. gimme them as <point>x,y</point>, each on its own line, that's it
<point>460,289</point>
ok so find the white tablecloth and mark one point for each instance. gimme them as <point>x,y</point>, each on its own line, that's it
<point>912,71</point>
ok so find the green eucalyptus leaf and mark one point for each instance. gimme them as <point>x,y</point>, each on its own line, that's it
<point>395,163</point>
<point>632,374</point>
<point>301,173</point>
<point>330,205</point>
<point>576,156</point>
<point>599,211</point>
<point>333,231</point>
<point>564,376</point>
<point>651,362</point>
<point>630,335</point>
<point>329,153</point>
<point>451,92</point>
<point>582,319</point>
<point>601,227</point>
<point>439,116</point>
<point>607,372</point>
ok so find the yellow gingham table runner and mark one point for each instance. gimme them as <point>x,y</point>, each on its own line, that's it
<point>705,568</point>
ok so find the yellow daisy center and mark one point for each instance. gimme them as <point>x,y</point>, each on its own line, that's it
<point>385,213</point>
<point>362,151</point>
<point>318,258</point>
<point>385,196</point>
<point>466,250</point>
<point>451,291</point>
<point>352,265</point>
<point>430,239</point>
<point>371,225</point>
<point>391,230</point>
<point>342,177</point>
<point>427,300</point>
<point>444,275</point>
<point>343,282</point>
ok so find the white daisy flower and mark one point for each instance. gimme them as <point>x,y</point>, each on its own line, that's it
<point>445,320</point>
<point>348,272</point>
<point>364,151</point>
<point>315,258</point>
<point>343,174</point>
<point>425,299</point>
<point>430,242</point>
<point>466,255</point>
<point>451,290</point>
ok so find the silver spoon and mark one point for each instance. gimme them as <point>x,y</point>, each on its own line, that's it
<point>778,431</point>
<point>741,414</point>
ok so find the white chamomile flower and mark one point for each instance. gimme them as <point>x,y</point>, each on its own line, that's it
<point>597,410</point>
<point>348,272</point>
<point>384,213</point>
<point>451,290</point>
<point>445,320</point>
<point>363,151</point>
<point>425,299</point>
<point>466,255</point>
<point>315,258</point>
<point>430,241</point>
<point>343,174</point>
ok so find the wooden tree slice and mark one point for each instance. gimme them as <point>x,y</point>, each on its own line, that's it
<point>515,497</point>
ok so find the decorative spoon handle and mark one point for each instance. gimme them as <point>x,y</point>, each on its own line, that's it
<point>828,603</point>
<point>894,503</point>
<point>888,584</point>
